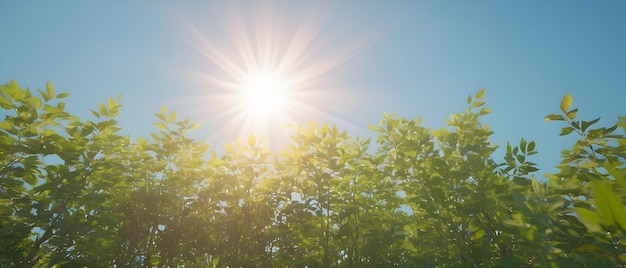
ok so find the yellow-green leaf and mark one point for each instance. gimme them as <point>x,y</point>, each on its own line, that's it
<point>111,103</point>
<point>62,95</point>
<point>6,125</point>
<point>481,93</point>
<point>609,205</point>
<point>229,148</point>
<point>103,110</point>
<point>251,141</point>
<point>618,175</point>
<point>478,234</point>
<point>566,131</point>
<point>589,164</point>
<point>566,102</point>
<point>590,218</point>
<point>572,114</point>
<point>160,125</point>
<point>551,117</point>
<point>50,89</point>
<point>44,95</point>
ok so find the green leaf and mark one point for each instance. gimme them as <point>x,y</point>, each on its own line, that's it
<point>556,117</point>
<point>478,234</point>
<point>484,111</point>
<point>6,126</point>
<point>586,124</point>
<point>62,95</point>
<point>44,95</point>
<point>478,104</point>
<point>590,218</point>
<point>481,93</point>
<point>566,102</point>
<point>96,114</point>
<point>194,126</point>
<point>161,117</point>
<point>103,110</point>
<point>5,103</point>
<point>469,99</point>
<point>537,187</point>
<point>35,102</point>
<point>172,117</point>
<point>566,130</point>
<point>572,114</point>
<point>589,164</point>
<point>86,131</point>
<point>609,205</point>
<point>50,89</point>
<point>619,176</point>
<point>531,146</point>
<point>111,103</point>
<point>160,125</point>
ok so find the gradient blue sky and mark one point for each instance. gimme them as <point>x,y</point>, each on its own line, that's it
<point>411,58</point>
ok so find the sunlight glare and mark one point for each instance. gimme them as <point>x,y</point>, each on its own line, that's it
<point>267,73</point>
<point>265,93</point>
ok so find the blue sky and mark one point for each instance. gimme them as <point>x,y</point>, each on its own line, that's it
<point>411,58</point>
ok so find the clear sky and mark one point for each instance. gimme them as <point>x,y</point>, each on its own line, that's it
<point>347,61</point>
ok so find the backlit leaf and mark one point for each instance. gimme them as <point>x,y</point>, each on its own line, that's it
<point>590,218</point>
<point>160,125</point>
<point>50,89</point>
<point>609,204</point>
<point>96,114</point>
<point>62,95</point>
<point>557,117</point>
<point>572,114</point>
<point>566,102</point>
<point>111,103</point>
<point>44,95</point>
<point>251,141</point>
<point>481,93</point>
<point>619,176</point>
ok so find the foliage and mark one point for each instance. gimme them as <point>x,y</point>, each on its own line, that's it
<point>75,192</point>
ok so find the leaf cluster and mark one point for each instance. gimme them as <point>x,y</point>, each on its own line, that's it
<point>76,192</point>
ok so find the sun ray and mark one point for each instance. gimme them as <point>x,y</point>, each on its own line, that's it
<point>267,74</point>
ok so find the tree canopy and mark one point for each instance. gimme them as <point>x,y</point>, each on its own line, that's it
<point>76,192</point>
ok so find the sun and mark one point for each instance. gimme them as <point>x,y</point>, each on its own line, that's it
<point>264,93</point>
<point>266,72</point>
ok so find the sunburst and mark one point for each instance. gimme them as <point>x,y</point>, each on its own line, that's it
<point>267,74</point>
